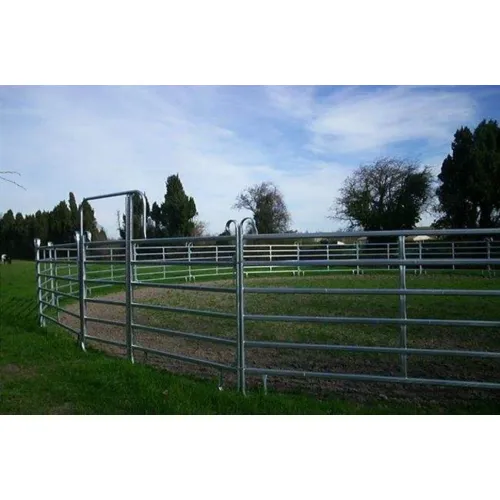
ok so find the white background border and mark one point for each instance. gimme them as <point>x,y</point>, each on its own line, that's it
<point>257,42</point>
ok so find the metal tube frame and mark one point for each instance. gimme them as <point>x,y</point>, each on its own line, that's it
<point>240,264</point>
<point>236,280</point>
<point>128,263</point>
<point>128,278</point>
<point>80,240</point>
<point>242,371</point>
<point>403,329</point>
<point>41,309</point>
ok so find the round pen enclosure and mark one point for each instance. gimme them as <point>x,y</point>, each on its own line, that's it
<point>376,314</point>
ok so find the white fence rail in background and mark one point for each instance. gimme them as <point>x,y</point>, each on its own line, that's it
<point>106,260</point>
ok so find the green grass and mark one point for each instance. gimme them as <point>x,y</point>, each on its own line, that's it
<point>43,372</point>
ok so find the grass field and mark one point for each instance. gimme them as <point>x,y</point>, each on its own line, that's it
<point>42,371</point>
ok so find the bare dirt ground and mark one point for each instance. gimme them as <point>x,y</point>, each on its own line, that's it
<point>310,360</point>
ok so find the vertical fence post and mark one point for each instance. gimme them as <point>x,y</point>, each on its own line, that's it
<point>237,261</point>
<point>357,256</point>
<point>298,257</point>
<point>41,319</point>
<point>56,282</point>
<point>240,299</point>
<point>328,255</point>
<point>453,254</point>
<point>190,275</point>
<point>128,277</point>
<point>68,257</point>
<point>420,256</point>
<point>488,254</point>
<point>88,252</point>
<point>164,266</point>
<point>403,340</point>
<point>216,260</point>
<point>80,241</point>
<point>112,265</point>
<point>270,258</point>
<point>236,283</point>
<point>388,255</point>
<point>241,308</point>
<point>134,257</point>
<point>51,273</point>
<point>74,267</point>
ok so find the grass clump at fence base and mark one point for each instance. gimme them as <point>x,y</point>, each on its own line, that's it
<point>43,372</point>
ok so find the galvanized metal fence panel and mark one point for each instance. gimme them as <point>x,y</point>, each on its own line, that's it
<point>76,271</point>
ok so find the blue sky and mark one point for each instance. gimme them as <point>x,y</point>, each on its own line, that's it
<point>95,140</point>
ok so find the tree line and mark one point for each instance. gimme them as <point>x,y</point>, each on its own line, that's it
<point>58,225</point>
<point>386,194</point>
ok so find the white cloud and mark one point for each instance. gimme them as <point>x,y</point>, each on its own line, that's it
<point>296,102</point>
<point>364,120</point>
<point>219,139</point>
<point>387,117</point>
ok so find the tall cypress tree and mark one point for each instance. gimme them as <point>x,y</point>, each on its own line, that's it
<point>75,215</point>
<point>469,190</point>
<point>60,224</point>
<point>178,210</point>
<point>89,220</point>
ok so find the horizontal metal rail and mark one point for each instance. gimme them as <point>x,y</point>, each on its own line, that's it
<point>371,321</point>
<point>60,309</point>
<point>372,262</point>
<point>151,281</point>
<point>372,291</point>
<point>54,277</point>
<point>58,293</point>
<point>183,310</point>
<point>361,234</point>
<point>372,378</point>
<point>192,288</point>
<point>104,281</point>
<point>183,239</point>
<point>104,321</point>
<point>183,262</point>
<point>112,245</point>
<point>100,262</point>
<point>105,341</point>
<point>62,325</point>
<point>71,262</point>
<point>58,246</point>
<point>187,359</point>
<point>185,335</point>
<point>261,344</point>
<point>106,302</point>
<point>111,195</point>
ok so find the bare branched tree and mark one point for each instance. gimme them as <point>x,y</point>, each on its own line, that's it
<point>268,207</point>
<point>199,228</point>
<point>390,193</point>
<point>6,179</point>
